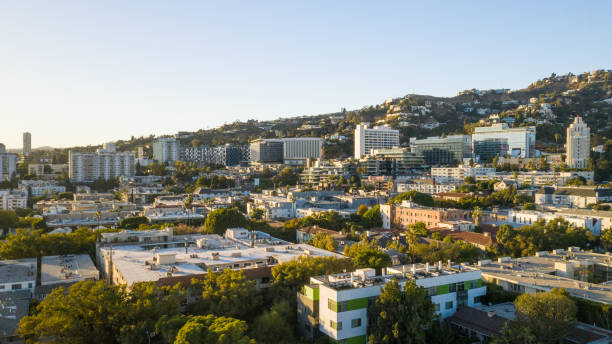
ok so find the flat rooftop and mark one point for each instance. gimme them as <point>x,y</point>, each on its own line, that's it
<point>136,262</point>
<point>67,269</point>
<point>17,270</point>
<point>540,272</point>
<point>362,278</point>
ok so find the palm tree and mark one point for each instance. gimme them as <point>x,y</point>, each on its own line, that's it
<point>476,214</point>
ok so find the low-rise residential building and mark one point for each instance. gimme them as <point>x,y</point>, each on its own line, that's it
<point>47,171</point>
<point>13,199</point>
<point>168,259</point>
<point>458,174</point>
<point>273,207</point>
<point>582,274</point>
<point>520,218</point>
<point>37,188</point>
<point>401,216</point>
<point>572,197</point>
<point>337,305</point>
<point>428,186</point>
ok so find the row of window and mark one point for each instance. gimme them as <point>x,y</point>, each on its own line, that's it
<point>16,286</point>
<point>338,325</point>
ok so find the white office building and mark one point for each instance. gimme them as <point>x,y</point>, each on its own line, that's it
<point>105,163</point>
<point>367,139</point>
<point>8,165</point>
<point>167,150</point>
<point>577,146</point>
<point>458,174</point>
<point>499,139</point>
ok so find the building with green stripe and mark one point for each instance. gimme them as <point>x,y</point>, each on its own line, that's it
<point>337,305</point>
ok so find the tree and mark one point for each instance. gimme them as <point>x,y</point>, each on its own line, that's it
<point>213,330</point>
<point>325,241</point>
<point>256,214</point>
<point>416,197</point>
<point>606,239</point>
<point>22,244</point>
<point>132,222</point>
<point>529,206</point>
<point>227,293</point>
<point>419,229</point>
<point>274,326</point>
<point>88,310</point>
<point>401,316</point>
<point>8,219</point>
<point>221,219</point>
<point>550,316</point>
<point>576,181</point>
<point>476,214</point>
<point>362,209</point>
<point>367,255</point>
<point>294,274</point>
<point>513,334</point>
<point>372,217</point>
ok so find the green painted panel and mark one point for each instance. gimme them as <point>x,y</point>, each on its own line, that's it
<point>443,289</point>
<point>358,303</point>
<point>311,293</point>
<point>466,285</point>
<point>479,282</point>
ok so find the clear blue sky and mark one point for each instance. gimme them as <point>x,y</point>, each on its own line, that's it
<point>85,72</point>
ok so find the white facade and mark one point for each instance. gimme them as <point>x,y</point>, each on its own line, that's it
<point>343,298</point>
<point>520,140</point>
<point>166,150</point>
<point>88,167</point>
<point>427,188</point>
<point>577,146</point>
<point>8,165</point>
<point>13,200</point>
<point>367,139</point>
<point>18,274</point>
<point>273,207</point>
<point>528,217</point>
<point>458,174</point>
<point>37,188</point>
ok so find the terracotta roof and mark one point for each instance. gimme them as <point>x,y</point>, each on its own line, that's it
<point>316,229</point>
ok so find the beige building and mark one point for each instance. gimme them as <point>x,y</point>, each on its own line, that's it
<point>408,213</point>
<point>577,146</point>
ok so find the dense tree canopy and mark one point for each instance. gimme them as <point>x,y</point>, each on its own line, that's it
<point>221,219</point>
<point>367,254</point>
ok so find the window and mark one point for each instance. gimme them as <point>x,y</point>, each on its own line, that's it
<point>16,286</point>
<point>1,287</point>
<point>30,285</point>
<point>356,323</point>
<point>432,291</point>
<point>437,307</point>
<point>448,305</point>
<point>477,299</point>
<point>335,325</point>
<point>453,287</point>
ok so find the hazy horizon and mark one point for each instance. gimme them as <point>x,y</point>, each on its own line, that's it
<point>77,74</point>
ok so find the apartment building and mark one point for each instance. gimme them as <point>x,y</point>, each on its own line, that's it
<point>47,171</point>
<point>105,164</point>
<point>13,199</point>
<point>578,144</point>
<point>443,150</point>
<point>367,139</point>
<point>408,213</point>
<point>37,188</point>
<point>582,274</point>
<point>572,197</point>
<point>391,161</point>
<point>336,306</point>
<point>8,165</point>
<point>458,174</point>
<point>520,218</point>
<point>428,186</point>
<point>501,140</point>
<point>166,150</point>
<point>273,207</point>
<point>161,257</point>
<point>297,150</point>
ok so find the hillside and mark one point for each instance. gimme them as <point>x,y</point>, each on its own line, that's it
<point>548,103</point>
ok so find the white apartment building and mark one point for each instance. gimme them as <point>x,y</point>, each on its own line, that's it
<point>577,146</point>
<point>37,188</point>
<point>367,139</point>
<point>273,207</point>
<point>166,150</point>
<point>105,164</point>
<point>458,174</point>
<point>529,217</point>
<point>337,305</point>
<point>11,200</point>
<point>8,165</point>
<point>428,188</point>
<point>499,139</point>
